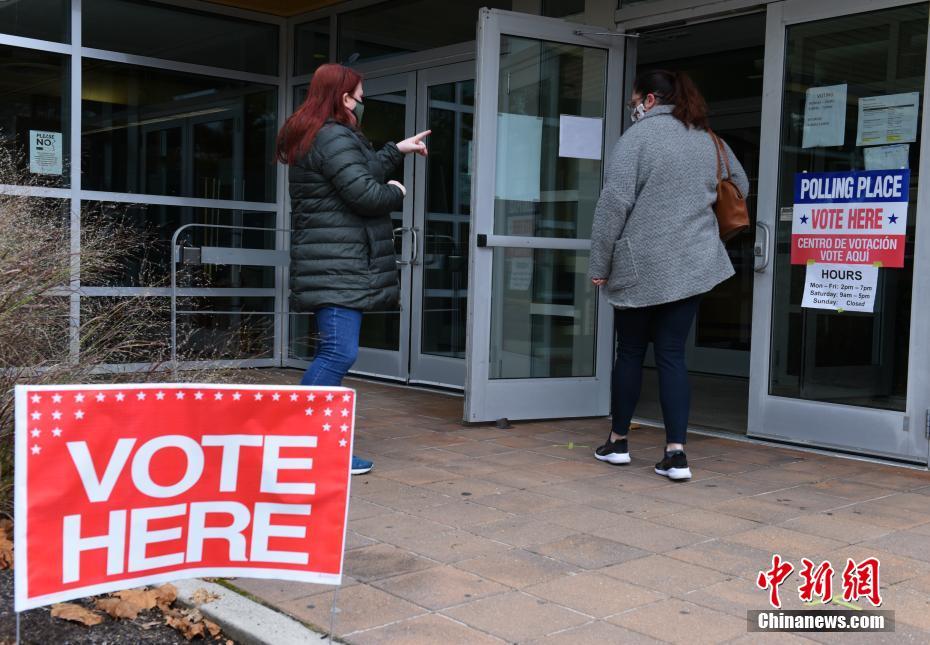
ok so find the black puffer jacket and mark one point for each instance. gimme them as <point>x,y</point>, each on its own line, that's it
<point>342,243</point>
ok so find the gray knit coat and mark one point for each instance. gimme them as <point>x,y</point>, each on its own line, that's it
<point>655,236</point>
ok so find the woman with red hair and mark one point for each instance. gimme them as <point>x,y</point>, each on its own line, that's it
<point>342,240</point>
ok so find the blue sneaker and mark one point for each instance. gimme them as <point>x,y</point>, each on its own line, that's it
<point>361,466</point>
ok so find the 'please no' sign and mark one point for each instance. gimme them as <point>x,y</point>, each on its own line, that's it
<point>120,486</point>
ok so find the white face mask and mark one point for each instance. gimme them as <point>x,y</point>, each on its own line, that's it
<point>638,112</point>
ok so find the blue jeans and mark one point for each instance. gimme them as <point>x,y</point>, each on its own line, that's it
<point>667,326</point>
<point>337,346</point>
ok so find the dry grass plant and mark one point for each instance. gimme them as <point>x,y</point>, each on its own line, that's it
<point>36,291</point>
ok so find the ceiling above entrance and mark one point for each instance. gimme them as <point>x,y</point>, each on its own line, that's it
<point>278,7</point>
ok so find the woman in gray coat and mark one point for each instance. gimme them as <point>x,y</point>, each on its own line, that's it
<point>342,244</point>
<point>656,248</point>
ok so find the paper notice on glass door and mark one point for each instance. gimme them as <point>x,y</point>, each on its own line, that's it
<point>887,157</point>
<point>824,117</point>
<point>840,287</point>
<point>519,157</point>
<point>580,137</point>
<point>45,152</point>
<point>888,119</point>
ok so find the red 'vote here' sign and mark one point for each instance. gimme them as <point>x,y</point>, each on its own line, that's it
<point>120,486</point>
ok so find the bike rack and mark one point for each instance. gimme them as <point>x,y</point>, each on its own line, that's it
<point>215,255</point>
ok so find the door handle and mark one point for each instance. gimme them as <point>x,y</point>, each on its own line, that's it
<point>760,249</point>
<point>415,255</point>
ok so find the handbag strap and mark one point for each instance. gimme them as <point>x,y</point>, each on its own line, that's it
<point>720,152</point>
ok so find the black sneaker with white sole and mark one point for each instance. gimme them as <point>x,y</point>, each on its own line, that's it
<point>613,452</point>
<point>674,466</point>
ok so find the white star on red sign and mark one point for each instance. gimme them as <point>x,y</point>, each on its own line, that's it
<point>100,397</point>
<point>311,397</point>
<point>160,396</point>
<point>294,397</point>
<point>179,396</point>
<point>344,427</point>
<point>36,432</point>
<point>343,443</point>
<point>120,396</point>
<point>56,398</point>
<point>79,414</point>
<point>141,396</point>
<point>198,395</point>
<point>36,398</point>
<point>56,415</point>
<point>36,416</point>
<point>36,450</point>
<point>329,397</point>
<point>345,412</point>
<point>56,432</point>
<point>326,427</point>
<point>258,396</point>
<point>308,412</point>
<point>236,396</point>
<point>79,398</point>
<point>276,397</point>
<point>218,396</point>
<point>328,412</point>
<point>346,397</point>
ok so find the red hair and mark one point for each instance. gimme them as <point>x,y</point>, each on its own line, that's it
<point>324,102</point>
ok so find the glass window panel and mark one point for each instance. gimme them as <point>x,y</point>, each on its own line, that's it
<point>42,19</point>
<point>300,95</point>
<point>311,46</point>
<point>447,220</point>
<point>168,133</point>
<point>34,97</point>
<point>151,227</point>
<point>560,8</point>
<point>207,336</point>
<point>405,26</point>
<point>852,358</point>
<point>302,332</point>
<point>543,314</point>
<point>538,193</point>
<point>161,31</point>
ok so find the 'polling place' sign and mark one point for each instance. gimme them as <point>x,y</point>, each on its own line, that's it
<point>121,486</point>
<point>850,217</point>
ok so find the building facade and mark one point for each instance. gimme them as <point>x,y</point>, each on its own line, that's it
<point>166,112</point>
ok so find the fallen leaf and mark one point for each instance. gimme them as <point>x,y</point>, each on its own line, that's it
<point>76,613</point>
<point>141,598</point>
<point>165,595</point>
<point>149,625</point>
<point>118,608</point>
<point>188,628</point>
<point>6,553</point>
<point>201,596</point>
<point>212,627</point>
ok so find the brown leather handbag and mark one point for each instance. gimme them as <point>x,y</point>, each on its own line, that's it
<point>730,207</point>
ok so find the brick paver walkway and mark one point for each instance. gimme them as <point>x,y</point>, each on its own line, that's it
<point>478,535</point>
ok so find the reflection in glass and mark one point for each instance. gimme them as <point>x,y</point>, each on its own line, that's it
<point>853,358</point>
<point>34,95</point>
<point>168,133</point>
<point>174,33</point>
<point>404,26</point>
<point>311,46</point>
<point>152,226</point>
<point>539,193</point>
<point>543,314</point>
<point>447,219</point>
<point>41,19</point>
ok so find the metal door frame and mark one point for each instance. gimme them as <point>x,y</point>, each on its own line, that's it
<point>487,399</point>
<point>813,422</point>
<point>427,368</point>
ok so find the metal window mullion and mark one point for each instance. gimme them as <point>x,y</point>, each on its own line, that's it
<point>74,159</point>
<point>163,200</point>
<point>222,10</point>
<point>285,66</point>
<point>35,43</point>
<point>178,66</point>
<point>35,191</point>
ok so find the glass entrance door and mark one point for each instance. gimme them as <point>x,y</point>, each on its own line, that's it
<point>549,96</point>
<point>852,77</point>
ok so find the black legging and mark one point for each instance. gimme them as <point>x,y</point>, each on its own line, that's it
<point>667,327</point>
